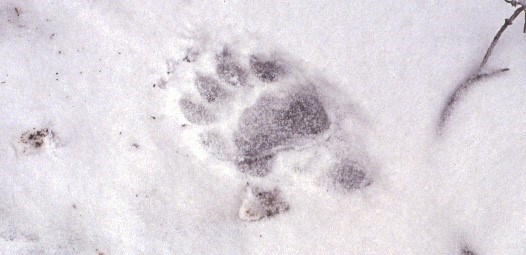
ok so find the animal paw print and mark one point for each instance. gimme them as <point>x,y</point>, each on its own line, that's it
<point>283,109</point>
<point>248,108</point>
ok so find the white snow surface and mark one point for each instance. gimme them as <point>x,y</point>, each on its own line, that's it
<point>121,172</point>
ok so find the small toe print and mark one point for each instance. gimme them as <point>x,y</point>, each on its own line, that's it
<point>231,73</point>
<point>196,113</point>
<point>229,70</point>
<point>210,89</point>
<point>350,176</point>
<point>267,70</point>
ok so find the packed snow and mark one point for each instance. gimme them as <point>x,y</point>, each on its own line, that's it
<point>271,127</point>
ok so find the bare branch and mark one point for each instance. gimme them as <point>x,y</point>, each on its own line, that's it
<point>469,82</point>
<point>514,3</point>
<point>507,22</point>
<point>458,92</point>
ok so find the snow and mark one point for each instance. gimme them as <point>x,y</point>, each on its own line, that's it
<point>120,170</point>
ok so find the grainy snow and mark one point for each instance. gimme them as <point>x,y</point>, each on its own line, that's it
<point>97,155</point>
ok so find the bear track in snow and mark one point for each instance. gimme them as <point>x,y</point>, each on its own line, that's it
<point>286,111</point>
<point>249,107</point>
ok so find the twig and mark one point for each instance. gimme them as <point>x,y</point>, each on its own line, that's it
<point>522,3</point>
<point>514,3</point>
<point>507,22</point>
<point>459,91</point>
<point>468,83</point>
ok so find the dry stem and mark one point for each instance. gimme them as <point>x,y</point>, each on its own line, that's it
<point>479,75</point>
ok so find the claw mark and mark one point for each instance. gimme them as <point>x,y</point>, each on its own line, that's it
<point>191,55</point>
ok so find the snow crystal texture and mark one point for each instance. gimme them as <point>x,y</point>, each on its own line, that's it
<point>273,127</point>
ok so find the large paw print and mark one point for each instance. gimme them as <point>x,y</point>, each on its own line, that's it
<point>285,112</point>
<point>249,108</point>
